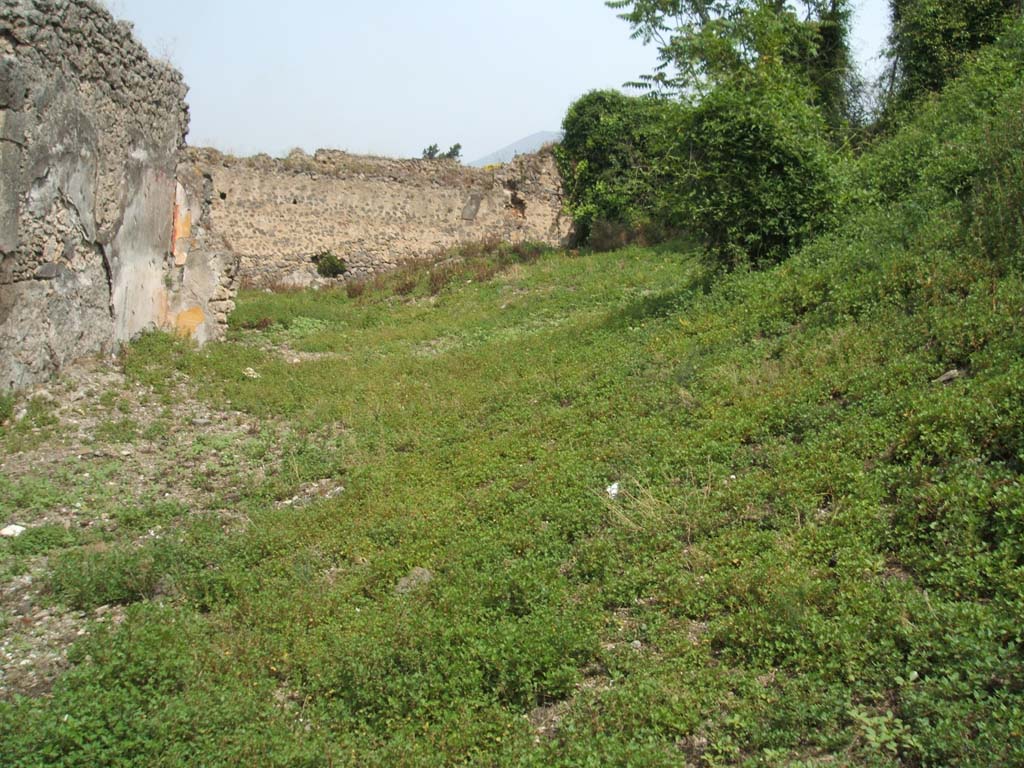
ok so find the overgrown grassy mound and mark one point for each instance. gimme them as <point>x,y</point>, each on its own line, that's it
<point>816,556</point>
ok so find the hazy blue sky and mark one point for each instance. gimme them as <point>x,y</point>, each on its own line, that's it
<point>392,77</point>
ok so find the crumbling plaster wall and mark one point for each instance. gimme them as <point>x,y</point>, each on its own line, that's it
<point>91,130</point>
<point>374,212</point>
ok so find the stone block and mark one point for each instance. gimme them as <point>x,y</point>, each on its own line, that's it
<point>12,127</point>
<point>10,192</point>
<point>48,271</point>
<point>472,206</point>
<point>12,85</point>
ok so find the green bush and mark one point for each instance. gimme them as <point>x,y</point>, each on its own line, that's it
<point>995,213</point>
<point>329,265</point>
<point>433,152</point>
<point>931,40</point>
<point>749,171</point>
<point>756,178</point>
<point>609,159</point>
<point>944,147</point>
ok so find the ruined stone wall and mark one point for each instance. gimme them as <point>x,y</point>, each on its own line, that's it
<point>91,249</point>
<point>373,212</point>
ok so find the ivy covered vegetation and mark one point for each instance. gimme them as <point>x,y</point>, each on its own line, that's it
<point>650,506</point>
<point>753,118</point>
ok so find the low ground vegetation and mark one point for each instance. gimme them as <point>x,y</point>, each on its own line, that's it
<point>618,508</point>
<point>329,265</point>
<point>476,260</point>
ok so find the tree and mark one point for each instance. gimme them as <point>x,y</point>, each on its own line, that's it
<point>703,43</point>
<point>433,152</point>
<point>931,39</point>
<point>732,145</point>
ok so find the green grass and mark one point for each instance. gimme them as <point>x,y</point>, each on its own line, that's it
<point>117,431</point>
<point>816,556</point>
<point>816,547</point>
<point>23,431</point>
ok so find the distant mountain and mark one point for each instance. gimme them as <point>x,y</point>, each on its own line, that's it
<point>522,147</point>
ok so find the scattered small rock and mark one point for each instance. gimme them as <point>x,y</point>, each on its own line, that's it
<point>12,531</point>
<point>949,376</point>
<point>418,577</point>
<point>46,272</point>
<point>249,373</point>
<point>612,490</point>
<point>320,489</point>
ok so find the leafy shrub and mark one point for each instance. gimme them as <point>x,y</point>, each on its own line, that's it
<point>329,265</point>
<point>995,213</point>
<point>943,149</point>
<point>758,176</point>
<point>749,171</point>
<point>433,152</point>
<point>931,40</point>
<point>609,158</point>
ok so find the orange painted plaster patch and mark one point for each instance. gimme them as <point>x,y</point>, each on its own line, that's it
<point>188,321</point>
